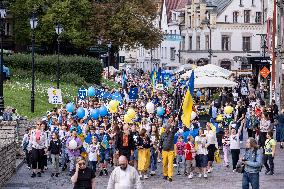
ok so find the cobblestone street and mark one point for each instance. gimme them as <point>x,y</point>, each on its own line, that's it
<point>221,178</point>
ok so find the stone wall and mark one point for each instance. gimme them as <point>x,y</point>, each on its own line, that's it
<point>7,150</point>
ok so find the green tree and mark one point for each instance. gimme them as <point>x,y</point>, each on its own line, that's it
<point>71,14</point>
<point>125,23</point>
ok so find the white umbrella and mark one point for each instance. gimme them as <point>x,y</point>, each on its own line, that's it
<point>215,82</point>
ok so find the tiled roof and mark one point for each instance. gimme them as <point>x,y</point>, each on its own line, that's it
<point>171,5</point>
<point>183,3</point>
<point>221,4</point>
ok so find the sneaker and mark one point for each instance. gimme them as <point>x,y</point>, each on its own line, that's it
<point>141,177</point>
<point>205,175</point>
<point>45,168</point>
<point>57,174</point>
<point>178,173</point>
<point>170,179</point>
<point>29,168</point>
<point>101,173</point>
<point>146,176</point>
<point>152,173</point>
<point>159,160</point>
<point>270,173</point>
<point>42,171</point>
<point>199,175</point>
<point>105,172</point>
<point>39,174</point>
<point>52,174</point>
<point>165,177</point>
<point>266,172</point>
<point>190,176</point>
<point>175,165</point>
<point>33,175</point>
<point>234,170</point>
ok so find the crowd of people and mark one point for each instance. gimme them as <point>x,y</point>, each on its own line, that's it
<point>89,147</point>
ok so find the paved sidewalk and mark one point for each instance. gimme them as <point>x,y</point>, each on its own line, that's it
<point>221,178</point>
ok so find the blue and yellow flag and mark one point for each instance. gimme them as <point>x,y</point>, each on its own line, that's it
<point>188,102</point>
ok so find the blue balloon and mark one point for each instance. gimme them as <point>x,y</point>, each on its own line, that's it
<point>91,91</point>
<point>70,107</point>
<point>103,111</point>
<point>81,112</point>
<point>160,111</point>
<point>95,113</point>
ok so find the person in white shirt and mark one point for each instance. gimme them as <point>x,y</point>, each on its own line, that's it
<point>201,153</point>
<point>93,152</point>
<point>124,176</point>
<point>235,144</point>
<point>212,145</point>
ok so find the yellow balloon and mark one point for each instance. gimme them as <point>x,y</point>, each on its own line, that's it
<point>127,119</point>
<point>228,110</point>
<point>84,155</point>
<point>117,103</point>
<point>219,118</point>
<point>131,113</point>
<point>213,128</point>
<point>113,110</point>
<point>112,104</point>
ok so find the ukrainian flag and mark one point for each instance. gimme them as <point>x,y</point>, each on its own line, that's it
<point>188,102</point>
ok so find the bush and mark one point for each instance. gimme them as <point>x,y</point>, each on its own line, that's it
<point>90,69</point>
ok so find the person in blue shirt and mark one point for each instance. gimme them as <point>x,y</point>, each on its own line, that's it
<point>104,139</point>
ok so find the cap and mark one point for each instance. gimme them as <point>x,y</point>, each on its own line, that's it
<point>48,113</point>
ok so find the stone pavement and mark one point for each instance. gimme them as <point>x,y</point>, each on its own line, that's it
<point>221,178</point>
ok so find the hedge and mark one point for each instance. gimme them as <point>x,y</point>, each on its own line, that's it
<point>86,67</point>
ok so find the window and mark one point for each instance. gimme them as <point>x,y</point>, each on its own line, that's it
<point>162,52</point>
<point>175,32</point>
<point>241,3</point>
<point>171,32</point>
<point>206,42</point>
<point>182,42</point>
<point>235,17</point>
<point>174,16</point>
<point>173,53</point>
<point>166,53</point>
<point>226,43</point>
<point>246,44</point>
<point>197,42</point>
<point>166,31</point>
<point>189,22</point>
<point>246,16</point>
<point>258,16</point>
<point>252,2</point>
<point>190,43</point>
<point>7,28</point>
<point>226,18</point>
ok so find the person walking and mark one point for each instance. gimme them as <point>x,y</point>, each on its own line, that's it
<point>235,144</point>
<point>55,150</point>
<point>280,129</point>
<point>167,145</point>
<point>39,144</point>
<point>252,161</point>
<point>124,176</point>
<point>264,127</point>
<point>269,153</point>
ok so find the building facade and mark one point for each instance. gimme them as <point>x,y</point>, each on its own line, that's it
<point>222,32</point>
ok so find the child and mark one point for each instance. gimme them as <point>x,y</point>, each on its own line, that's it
<point>93,152</point>
<point>104,139</point>
<point>189,156</point>
<point>143,154</point>
<point>180,147</point>
<point>269,153</point>
<point>226,146</point>
<point>63,135</point>
<point>154,149</point>
<point>201,157</point>
<point>25,145</point>
<point>55,149</point>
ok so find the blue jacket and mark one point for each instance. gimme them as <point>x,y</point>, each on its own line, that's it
<point>254,164</point>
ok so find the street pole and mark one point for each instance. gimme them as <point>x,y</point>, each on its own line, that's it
<point>58,62</point>
<point>278,60</point>
<point>210,45</point>
<point>109,61</point>
<point>2,78</point>
<point>33,70</point>
<point>151,54</point>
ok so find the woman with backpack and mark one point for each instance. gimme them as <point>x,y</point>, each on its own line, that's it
<point>252,162</point>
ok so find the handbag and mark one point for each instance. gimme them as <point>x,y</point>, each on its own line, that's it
<point>240,168</point>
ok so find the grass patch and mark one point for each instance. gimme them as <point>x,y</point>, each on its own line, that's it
<point>17,94</point>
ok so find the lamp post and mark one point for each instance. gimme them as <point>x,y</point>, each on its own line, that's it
<point>33,23</point>
<point>58,30</point>
<point>3,12</point>
<point>109,61</point>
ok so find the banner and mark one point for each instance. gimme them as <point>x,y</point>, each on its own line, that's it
<point>54,96</point>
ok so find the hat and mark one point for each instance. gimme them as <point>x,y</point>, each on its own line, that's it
<point>44,119</point>
<point>48,113</point>
<point>233,125</point>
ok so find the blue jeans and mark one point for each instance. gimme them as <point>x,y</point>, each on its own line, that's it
<point>252,178</point>
<point>154,156</point>
<point>93,165</point>
<point>238,125</point>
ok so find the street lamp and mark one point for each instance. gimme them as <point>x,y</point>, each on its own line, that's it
<point>108,62</point>
<point>3,12</point>
<point>33,23</point>
<point>58,29</point>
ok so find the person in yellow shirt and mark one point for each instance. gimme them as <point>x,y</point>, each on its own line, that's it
<point>269,153</point>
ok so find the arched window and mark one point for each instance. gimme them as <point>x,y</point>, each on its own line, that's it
<point>202,62</point>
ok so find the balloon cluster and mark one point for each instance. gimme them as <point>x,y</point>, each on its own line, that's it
<point>113,105</point>
<point>129,115</point>
<point>228,110</point>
